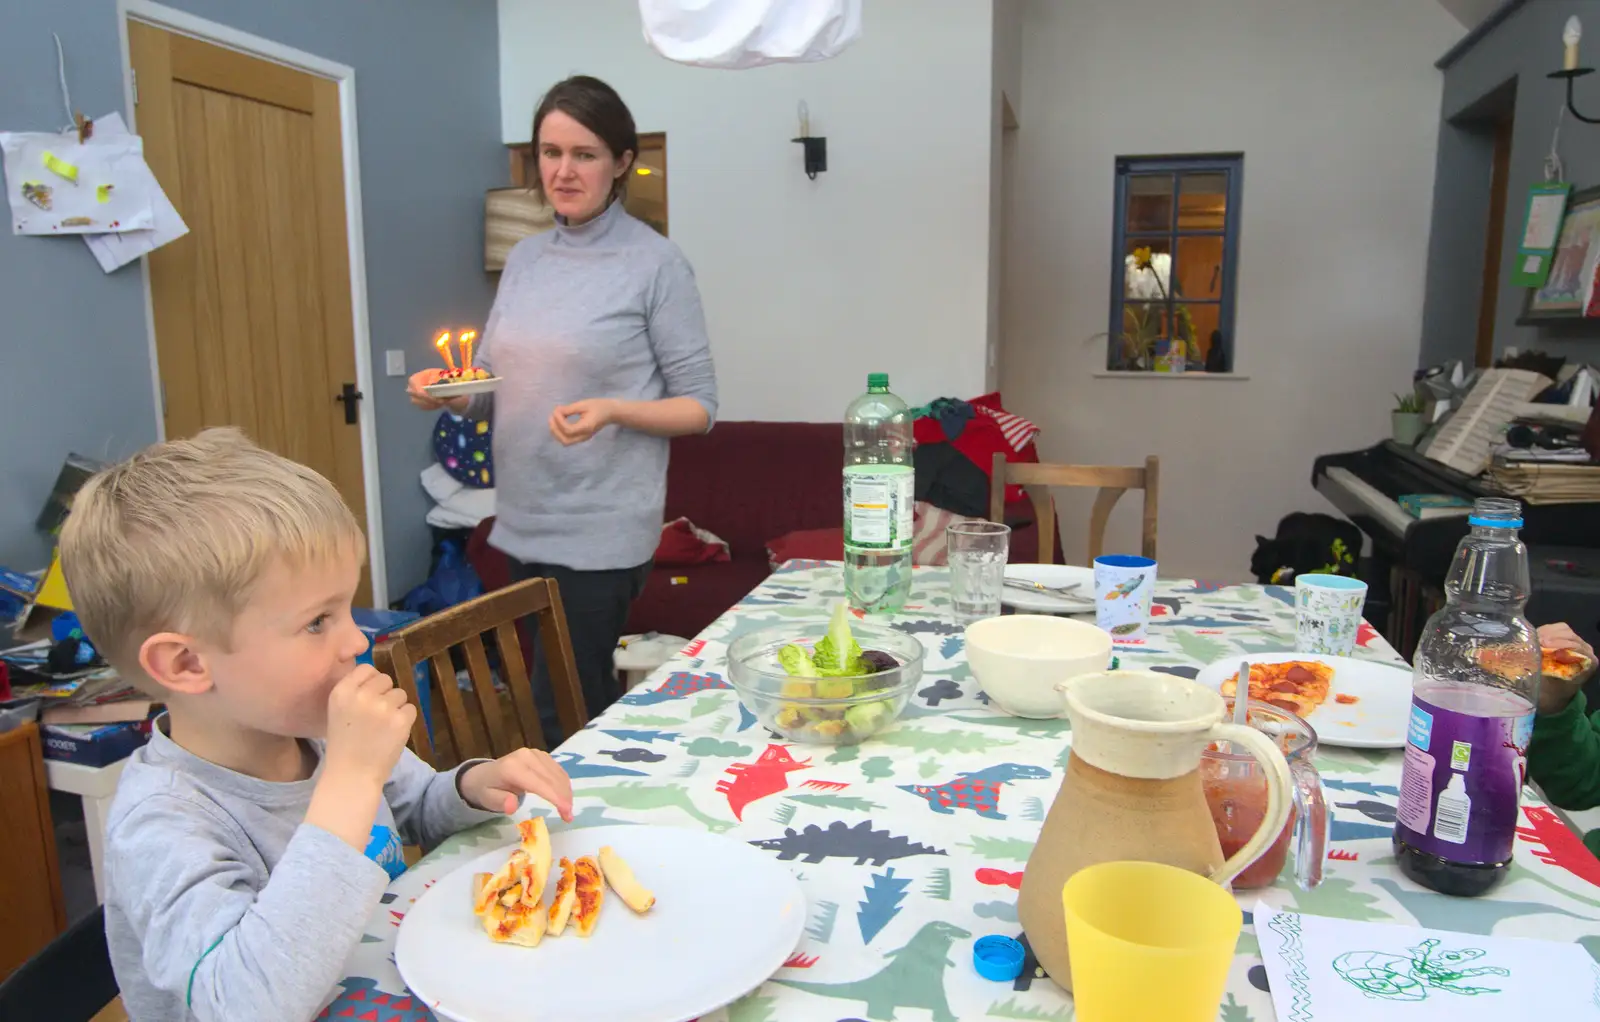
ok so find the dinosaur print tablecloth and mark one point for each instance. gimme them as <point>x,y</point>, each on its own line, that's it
<point>911,845</point>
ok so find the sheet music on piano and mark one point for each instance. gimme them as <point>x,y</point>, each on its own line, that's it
<point>1466,441</point>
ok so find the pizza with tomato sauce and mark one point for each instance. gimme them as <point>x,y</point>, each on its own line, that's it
<point>1565,664</point>
<point>1299,686</point>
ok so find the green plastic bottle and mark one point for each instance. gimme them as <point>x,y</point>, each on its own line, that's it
<point>879,483</point>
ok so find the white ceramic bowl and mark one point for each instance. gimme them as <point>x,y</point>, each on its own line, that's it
<point>1019,659</point>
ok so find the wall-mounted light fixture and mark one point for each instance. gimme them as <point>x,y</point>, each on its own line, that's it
<point>816,148</point>
<point>1569,65</point>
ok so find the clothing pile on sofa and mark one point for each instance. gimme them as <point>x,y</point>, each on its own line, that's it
<point>956,444</point>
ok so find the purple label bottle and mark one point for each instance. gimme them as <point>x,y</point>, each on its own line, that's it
<point>1476,685</point>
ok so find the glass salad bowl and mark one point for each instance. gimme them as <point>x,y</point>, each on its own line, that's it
<point>790,678</point>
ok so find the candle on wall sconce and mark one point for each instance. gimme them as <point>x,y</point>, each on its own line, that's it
<point>816,148</point>
<point>1569,65</point>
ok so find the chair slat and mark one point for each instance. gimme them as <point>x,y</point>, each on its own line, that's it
<point>394,659</point>
<point>516,677</point>
<point>557,648</point>
<point>488,698</point>
<point>462,733</point>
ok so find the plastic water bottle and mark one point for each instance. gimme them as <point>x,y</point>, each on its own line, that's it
<point>879,484</point>
<point>1475,687</point>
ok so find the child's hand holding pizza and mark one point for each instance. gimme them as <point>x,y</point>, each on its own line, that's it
<point>1566,663</point>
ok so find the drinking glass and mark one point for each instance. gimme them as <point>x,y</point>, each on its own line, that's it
<point>977,553</point>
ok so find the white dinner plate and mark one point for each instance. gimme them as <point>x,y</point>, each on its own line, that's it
<point>726,918</point>
<point>1050,575</point>
<point>461,388</point>
<point>1382,692</point>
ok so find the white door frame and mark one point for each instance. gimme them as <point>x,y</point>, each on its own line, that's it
<point>183,23</point>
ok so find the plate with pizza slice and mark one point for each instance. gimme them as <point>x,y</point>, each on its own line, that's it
<point>1359,704</point>
<point>646,923</point>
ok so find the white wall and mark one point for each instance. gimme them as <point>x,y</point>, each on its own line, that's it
<point>881,264</point>
<point>1005,95</point>
<point>1336,107</point>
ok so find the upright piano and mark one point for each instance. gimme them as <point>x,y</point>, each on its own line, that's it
<point>1411,556</point>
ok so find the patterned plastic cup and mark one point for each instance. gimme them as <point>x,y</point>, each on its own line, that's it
<point>1327,613</point>
<point>1123,585</point>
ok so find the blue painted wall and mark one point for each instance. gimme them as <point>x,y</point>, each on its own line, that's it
<point>1522,49</point>
<point>427,101</point>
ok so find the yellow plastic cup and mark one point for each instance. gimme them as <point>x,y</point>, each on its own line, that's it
<point>1148,941</point>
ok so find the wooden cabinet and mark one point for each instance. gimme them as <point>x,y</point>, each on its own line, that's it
<point>30,879</point>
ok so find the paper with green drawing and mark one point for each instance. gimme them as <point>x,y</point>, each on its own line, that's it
<point>1335,969</point>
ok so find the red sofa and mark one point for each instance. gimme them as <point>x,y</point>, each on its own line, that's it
<point>749,483</point>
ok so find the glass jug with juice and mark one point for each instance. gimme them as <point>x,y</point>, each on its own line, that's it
<point>1236,792</point>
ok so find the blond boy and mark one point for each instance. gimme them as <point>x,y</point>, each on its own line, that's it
<point>250,840</point>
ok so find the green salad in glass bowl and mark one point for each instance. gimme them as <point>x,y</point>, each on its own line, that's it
<point>832,684</point>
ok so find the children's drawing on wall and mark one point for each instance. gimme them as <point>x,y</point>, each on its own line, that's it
<point>56,184</point>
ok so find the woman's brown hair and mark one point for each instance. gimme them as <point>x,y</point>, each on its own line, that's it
<point>596,106</point>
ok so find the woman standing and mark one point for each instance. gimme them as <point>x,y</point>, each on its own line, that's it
<point>600,340</point>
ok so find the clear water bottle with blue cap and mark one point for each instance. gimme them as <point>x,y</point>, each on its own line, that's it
<point>1475,686</point>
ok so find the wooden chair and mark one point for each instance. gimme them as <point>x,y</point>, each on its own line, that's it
<point>70,980</point>
<point>1113,481</point>
<point>486,730</point>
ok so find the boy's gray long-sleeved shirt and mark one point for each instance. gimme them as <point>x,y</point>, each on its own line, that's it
<point>606,309</point>
<point>221,904</point>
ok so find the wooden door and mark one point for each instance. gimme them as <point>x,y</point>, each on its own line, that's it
<point>30,881</point>
<point>252,308</point>
<point>1489,293</point>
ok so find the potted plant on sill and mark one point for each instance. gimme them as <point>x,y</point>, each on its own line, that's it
<point>1149,341</point>
<point>1406,419</point>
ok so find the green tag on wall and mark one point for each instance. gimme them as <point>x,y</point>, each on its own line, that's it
<point>1547,204</point>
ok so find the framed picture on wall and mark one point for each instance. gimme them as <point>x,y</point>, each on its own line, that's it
<point>1567,290</point>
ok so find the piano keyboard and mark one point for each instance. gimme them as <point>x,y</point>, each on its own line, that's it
<point>1386,509</point>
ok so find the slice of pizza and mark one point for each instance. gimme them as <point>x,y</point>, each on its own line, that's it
<point>536,843</point>
<point>1565,664</point>
<point>564,899</point>
<point>589,891</point>
<point>620,876</point>
<point>517,923</point>
<point>1299,686</point>
<point>482,893</point>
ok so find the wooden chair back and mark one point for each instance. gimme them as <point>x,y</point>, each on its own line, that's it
<point>487,728</point>
<point>1113,481</point>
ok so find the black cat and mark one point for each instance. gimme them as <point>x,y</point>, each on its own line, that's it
<point>1306,543</point>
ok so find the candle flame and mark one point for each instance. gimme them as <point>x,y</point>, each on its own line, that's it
<point>466,340</point>
<point>442,343</point>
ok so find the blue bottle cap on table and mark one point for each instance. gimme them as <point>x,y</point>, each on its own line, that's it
<point>997,957</point>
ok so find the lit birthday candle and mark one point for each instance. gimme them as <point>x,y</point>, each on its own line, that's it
<point>442,344</point>
<point>466,340</point>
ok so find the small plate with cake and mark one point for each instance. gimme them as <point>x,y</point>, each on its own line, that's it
<point>461,382</point>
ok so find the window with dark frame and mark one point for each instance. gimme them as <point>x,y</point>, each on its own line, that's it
<point>1175,249</point>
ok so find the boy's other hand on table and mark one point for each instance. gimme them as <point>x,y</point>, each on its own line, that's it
<point>498,786</point>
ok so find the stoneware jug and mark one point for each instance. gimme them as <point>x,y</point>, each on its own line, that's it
<point>1132,791</point>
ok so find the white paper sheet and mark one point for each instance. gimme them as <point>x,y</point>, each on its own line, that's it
<point>58,185</point>
<point>1336,970</point>
<point>114,251</point>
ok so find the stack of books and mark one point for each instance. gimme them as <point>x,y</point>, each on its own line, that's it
<point>89,715</point>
